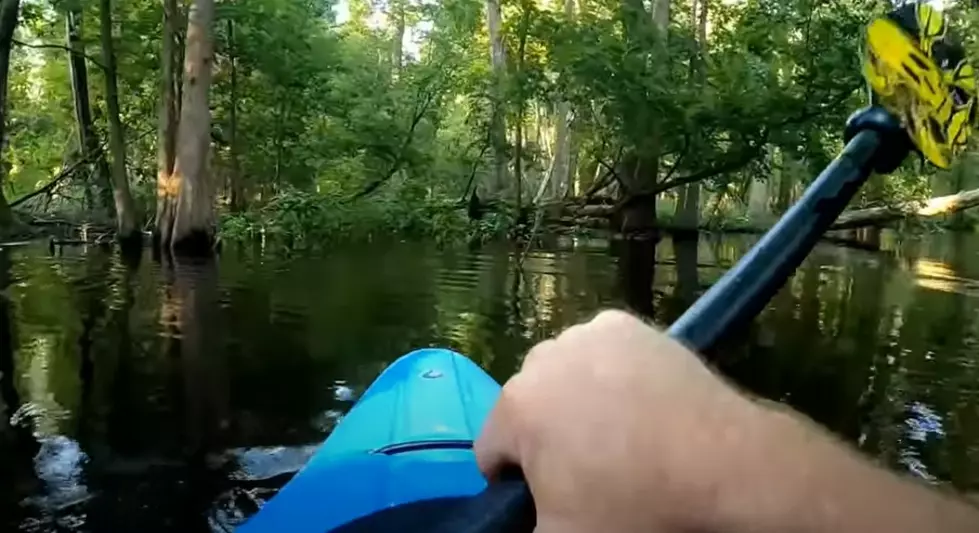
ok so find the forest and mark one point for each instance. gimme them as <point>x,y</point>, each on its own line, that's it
<point>304,122</point>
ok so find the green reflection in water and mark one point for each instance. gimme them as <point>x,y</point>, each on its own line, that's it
<point>162,373</point>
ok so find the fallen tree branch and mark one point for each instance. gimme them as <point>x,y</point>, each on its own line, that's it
<point>400,159</point>
<point>43,46</point>
<point>878,216</point>
<point>64,174</point>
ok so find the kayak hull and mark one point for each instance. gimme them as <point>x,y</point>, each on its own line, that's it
<point>409,438</point>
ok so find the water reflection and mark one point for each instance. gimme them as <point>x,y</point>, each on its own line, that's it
<point>162,396</point>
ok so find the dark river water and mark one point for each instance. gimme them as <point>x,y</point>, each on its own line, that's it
<point>155,397</point>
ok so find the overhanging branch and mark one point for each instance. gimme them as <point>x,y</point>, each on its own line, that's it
<point>51,46</point>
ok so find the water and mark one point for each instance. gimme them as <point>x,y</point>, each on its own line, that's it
<point>155,397</point>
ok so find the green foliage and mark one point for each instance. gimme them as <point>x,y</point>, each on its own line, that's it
<point>324,115</point>
<point>299,220</point>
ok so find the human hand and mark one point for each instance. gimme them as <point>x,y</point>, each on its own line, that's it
<point>617,426</point>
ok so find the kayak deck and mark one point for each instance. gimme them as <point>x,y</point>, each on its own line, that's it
<point>409,438</point>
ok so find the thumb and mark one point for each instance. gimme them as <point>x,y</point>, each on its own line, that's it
<point>496,448</point>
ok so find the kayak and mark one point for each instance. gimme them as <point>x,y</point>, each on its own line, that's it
<point>408,440</point>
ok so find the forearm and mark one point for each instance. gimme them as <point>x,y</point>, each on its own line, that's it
<point>804,480</point>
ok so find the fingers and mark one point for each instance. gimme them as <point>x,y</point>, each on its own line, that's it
<point>496,448</point>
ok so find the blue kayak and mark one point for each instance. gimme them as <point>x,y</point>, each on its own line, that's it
<point>408,439</point>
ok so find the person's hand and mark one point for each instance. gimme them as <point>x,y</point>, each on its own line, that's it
<point>615,424</point>
<point>619,428</point>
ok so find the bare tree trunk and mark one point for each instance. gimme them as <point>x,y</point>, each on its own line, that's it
<point>167,187</point>
<point>193,225</point>
<point>88,144</point>
<point>521,106</point>
<point>562,179</point>
<point>8,23</point>
<point>398,22</point>
<point>497,133</point>
<point>126,220</point>
<point>237,192</point>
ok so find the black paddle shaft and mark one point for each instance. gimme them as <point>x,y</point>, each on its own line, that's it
<point>875,141</point>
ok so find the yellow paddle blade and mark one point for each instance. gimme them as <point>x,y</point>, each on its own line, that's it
<point>918,73</point>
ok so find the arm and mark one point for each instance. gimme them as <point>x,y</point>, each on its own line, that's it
<point>619,428</point>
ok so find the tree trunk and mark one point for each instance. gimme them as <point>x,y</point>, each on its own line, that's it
<point>562,180</point>
<point>398,22</point>
<point>688,208</point>
<point>167,187</point>
<point>640,166</point>
<point>758,200</point>
<point>521,106</point>
<point>127,226</point>
<point>879,216</point>
<point>88,144</point>
<point>497,134</point>
<point>237,192</point>
<point>8,22</point>
<point>193,224</point>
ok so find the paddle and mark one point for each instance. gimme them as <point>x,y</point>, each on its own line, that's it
<point>925,94</point>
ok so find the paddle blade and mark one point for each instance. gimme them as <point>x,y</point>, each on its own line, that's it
<point>920,74</point>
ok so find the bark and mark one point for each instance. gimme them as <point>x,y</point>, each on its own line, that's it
<point>497,128</point>
<point>126,221</point>
<point>193,221</point>
<point>167,187</point>
<point>8,22</point>
<point>237,192</point>
<point>88,144</point>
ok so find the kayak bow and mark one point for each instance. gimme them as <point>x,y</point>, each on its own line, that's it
<point>408,439</point>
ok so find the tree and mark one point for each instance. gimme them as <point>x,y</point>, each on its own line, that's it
<point>8,23</point>
<point>126,219</point>
<point>167,186</point>
<point>688,200</point>
<point>192,222</point>
<point>89,147</point>
<point>497,126</point>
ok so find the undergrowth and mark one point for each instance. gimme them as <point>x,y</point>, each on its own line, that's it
<point>301,220</point>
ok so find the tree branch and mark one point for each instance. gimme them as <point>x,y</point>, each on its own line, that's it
<point>42,46</point>
<point>734,163</point>
<point>399,160</point>
<point>47,188</point>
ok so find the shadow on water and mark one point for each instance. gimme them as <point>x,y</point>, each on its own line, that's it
<point>158,396</point>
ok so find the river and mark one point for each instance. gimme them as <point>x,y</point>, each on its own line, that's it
<point>152,397</point>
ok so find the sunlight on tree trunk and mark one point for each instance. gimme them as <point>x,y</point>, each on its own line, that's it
<point>8,22</point>
<point>497,134</point>
<point>193,224</point>
<point>126,220</point>
<point>88,144</point>
<point>167,185</point>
